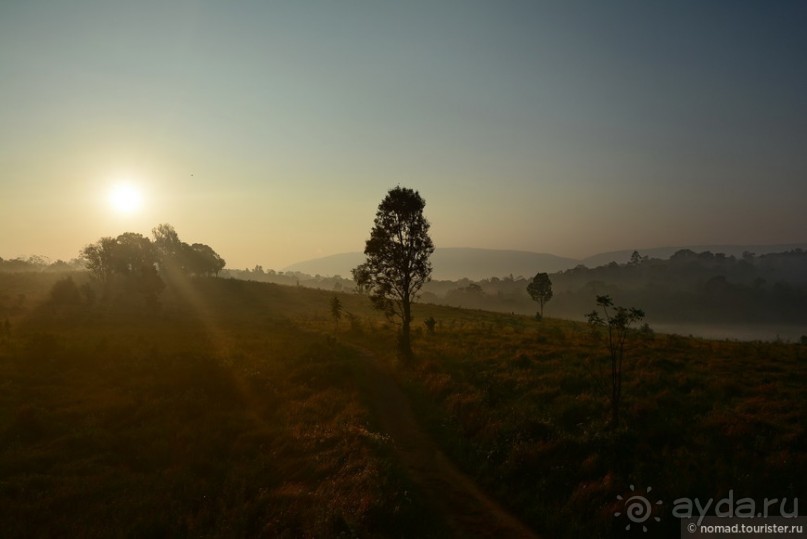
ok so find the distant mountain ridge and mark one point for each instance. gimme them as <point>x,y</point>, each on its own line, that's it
<point>452,263</point>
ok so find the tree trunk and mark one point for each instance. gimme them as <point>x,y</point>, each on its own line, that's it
<point>616,391</point>
<point>406,317</point>
<point>615,413</point>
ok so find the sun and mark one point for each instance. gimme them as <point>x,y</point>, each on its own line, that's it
<point>125,198</point>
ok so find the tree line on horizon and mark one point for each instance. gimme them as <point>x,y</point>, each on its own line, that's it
<point>687,287</point>
<point>691,287</point>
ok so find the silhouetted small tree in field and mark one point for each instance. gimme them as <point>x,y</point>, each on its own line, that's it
<point>540,290</point>
<point>430,324</point>
<point>336,310</point>
<point>398,252</point>
<point>618,322</point>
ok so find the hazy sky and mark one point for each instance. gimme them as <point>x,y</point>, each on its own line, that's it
<point>271,130</point>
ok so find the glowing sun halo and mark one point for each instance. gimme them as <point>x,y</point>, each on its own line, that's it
<point>125,198</point>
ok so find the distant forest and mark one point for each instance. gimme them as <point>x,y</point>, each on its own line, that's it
<point>40,263</point>
<point>688,287</point>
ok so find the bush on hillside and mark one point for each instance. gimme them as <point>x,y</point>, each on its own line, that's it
<point>65,292</point>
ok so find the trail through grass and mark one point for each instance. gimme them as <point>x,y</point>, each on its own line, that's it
<point>467,509</point>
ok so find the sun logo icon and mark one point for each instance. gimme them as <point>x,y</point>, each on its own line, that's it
<point>638,508</point>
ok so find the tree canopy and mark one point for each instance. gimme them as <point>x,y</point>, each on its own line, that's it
<point>176,256</point>
<point>540,290</point>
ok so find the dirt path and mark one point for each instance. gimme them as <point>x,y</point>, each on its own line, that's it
<point>468,510</point>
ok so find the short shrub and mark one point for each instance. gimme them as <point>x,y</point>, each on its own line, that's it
<point>65,292</point>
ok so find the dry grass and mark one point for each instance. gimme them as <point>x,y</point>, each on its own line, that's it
<point>235,411</point>
<point>523,407</point>
<point>214,416</point>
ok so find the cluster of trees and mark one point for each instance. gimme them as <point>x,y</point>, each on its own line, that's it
<point>194,259</point>
<point>131,253</point>
<point>140,263</point>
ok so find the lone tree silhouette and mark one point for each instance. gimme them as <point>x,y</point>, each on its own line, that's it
<point>618,321</point>
<point>398,254</point>
<point>540,290</point>
<point>336,310</point>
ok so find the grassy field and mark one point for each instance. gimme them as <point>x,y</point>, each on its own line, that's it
<point>215,416</point>
<point>524,408</point>
<point>236,409</point>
